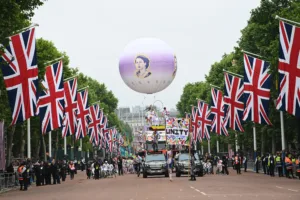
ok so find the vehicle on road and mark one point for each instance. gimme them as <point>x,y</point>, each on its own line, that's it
<point>155,164</point>
<point>183,165</point>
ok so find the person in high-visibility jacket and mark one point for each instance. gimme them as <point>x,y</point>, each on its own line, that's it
<point>298,167</point>
<point>21,171</point>
<point>289,167</point>
<point>278,161</point>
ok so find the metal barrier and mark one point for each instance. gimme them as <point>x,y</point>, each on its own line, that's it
<point>8,181</point>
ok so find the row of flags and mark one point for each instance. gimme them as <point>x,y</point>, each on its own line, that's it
<point>59,104</point>
<point>247,98</point>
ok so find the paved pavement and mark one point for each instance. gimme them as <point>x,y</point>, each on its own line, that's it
<point>129,187</point>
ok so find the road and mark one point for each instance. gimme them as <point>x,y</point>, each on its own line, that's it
<point>129,187</point>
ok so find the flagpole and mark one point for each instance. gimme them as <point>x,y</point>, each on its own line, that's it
<point>70,78</point>
<point>25,29</point>
<point>82,88</point>
<point>254,143</point>
<point>282,138</point>
<point>241,76</point>
<point>287,20</point>
<point>236,142</point>
<point>81,147</point>
<point>65,145</point>
<point>51,61</point>
<point>28,139</point>
<point>50,145</point>
<point>218,149</point>
<point>208,146</point>
<point>249,53</point>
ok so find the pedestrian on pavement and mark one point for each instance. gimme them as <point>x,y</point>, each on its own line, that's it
<point>72,169</point>
<point>238,164</point>
<point>257,160</point>
<point>120,166</point>
<point>37,172</point>
<point>289,167</point>
<point>271,165</point>
<point>21,171</point>
<point>225,165</point>
<point>245,160</point>
<point>97,170</point>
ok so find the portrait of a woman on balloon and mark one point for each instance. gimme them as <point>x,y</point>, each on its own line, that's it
<point>142,64</point>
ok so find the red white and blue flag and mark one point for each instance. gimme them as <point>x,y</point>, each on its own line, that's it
<point>257,84</point>
<point>94,125</point>
<point>110,140</point>
<point>289,69</point>
<point>82,114</point>
<point>217,113</point>
<point>233,100</point>
<point>21,75</point>
<point>103,131</point>
<point>69,123</point>
<point>51,105</point>
<point>195,125</point>
<point>204,120</point>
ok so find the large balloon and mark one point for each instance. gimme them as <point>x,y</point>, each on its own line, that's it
<point>148,65</point>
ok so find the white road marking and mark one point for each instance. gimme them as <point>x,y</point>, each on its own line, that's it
<point>203,193</point>
<point>191,187</point>
<point>197,190</point>
<point>279,187</point>
<point>293,190</point>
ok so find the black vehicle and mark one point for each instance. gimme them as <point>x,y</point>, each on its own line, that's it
<point>183,165</point>
<point>155,164</point>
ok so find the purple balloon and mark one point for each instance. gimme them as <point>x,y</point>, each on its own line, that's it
<point>148,65</point>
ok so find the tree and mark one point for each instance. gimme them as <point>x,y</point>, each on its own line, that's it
<point>15,15</point>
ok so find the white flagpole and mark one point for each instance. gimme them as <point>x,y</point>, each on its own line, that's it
<point>208,146</point>
<point>81,147</point>
<point>218,149</point>
<point>255,145</point>
<point>236,143</point>
<point>282,131</point>
<point>65,145</point>
<point>50,145</point>
<point>202,149</point>
<point>287,20</point>
<point>28,139</point>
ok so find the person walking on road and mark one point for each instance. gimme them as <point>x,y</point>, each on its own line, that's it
<point>170,164</point>
<point>271,165</point>
<point>278,161</point>
<point>193,177</point>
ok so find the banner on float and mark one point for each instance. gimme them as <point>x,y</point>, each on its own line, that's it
<point>173,124</point>
<point>176,139</point>
<point>161,136</point>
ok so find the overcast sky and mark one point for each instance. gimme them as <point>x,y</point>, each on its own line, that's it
<point>94,33</point>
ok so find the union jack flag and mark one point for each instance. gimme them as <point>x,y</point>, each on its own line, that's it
<point>82,114</point>
<point>69,123</point>
<point>103,131</point>
<point>115,136</point>
<point>94,126</point>
<point>233,99</point>
<point>204,121</point>
<point>217,113</point>
<point>21,75</point>
<point>110,140</point>
<point>121,140</point>
<point>195,125</point>
<point>51,105</point>
<point>257,84</point>
<point>289,69</point>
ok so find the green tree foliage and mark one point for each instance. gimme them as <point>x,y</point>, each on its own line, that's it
<point>15,15</point>
<point>260,36</point>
